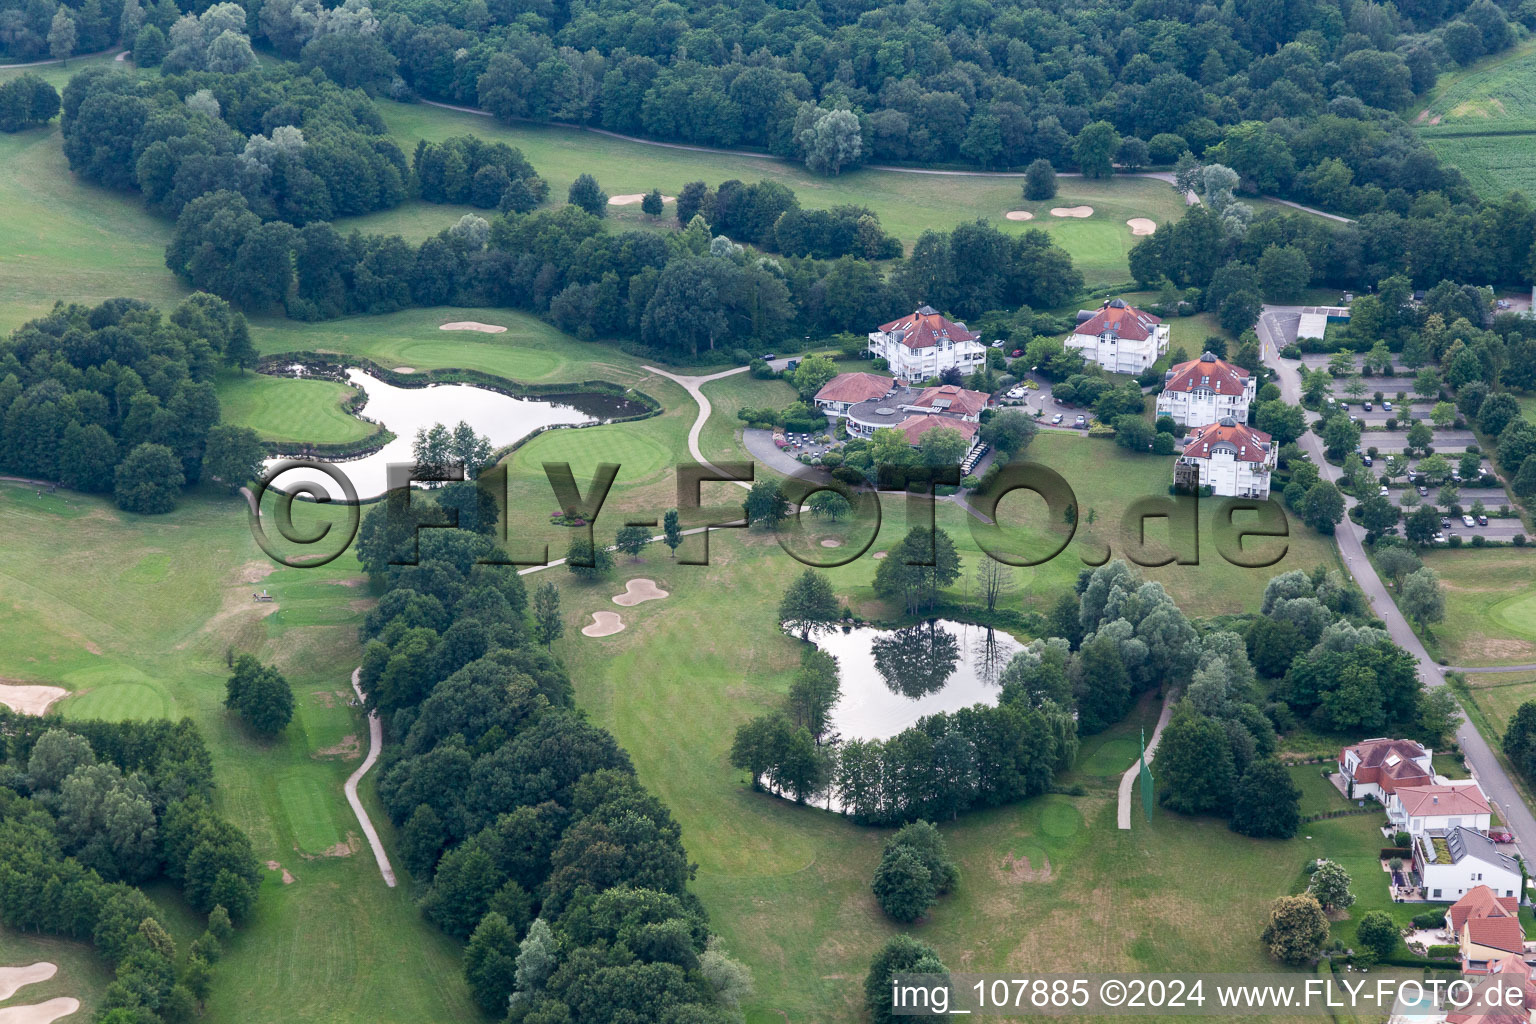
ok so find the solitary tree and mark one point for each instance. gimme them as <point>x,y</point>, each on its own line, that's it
<point>653,204</point>
<point>1330,885</point>
<point>831,141</point>
<point>1268,803</point>
<point>1040,181</point>
<point>765,504</point>
<point>548,626</point>
<point>1420,596</point>
<point>672,530</point>
<point>808,601</point>
<point>632,540</point>
<point>1297,929</point>
<point>588,561</point>
<point>260,696</point>
<point>901,955</point>
<point>1376,932</point>
<point>585,193</point>
<point>994,581</point>
<point>61,35</point>
<point>903,886</point>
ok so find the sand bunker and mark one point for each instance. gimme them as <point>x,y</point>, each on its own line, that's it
<point>634,197</point>
<point>13,978</point>
<point>639,592</point>
<point>406,369</point>
<point>603,624</point>
<point>472,325</point>
<point>1019,215</point>
<point>41,1013</point>
<point>831,542</point>
<point>880,554</point>
<point>30,700</point>
<point>1142,225</point>
<point>1071,211</point>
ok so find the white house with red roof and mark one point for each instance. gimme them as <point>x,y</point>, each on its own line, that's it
<point>1234,460</point>
<point>1206,390</point>
<point>924,344</point>
<point>846,390</point>
<point>1377,767</point>
<point>1120,338</point>
<point>1439,807</point>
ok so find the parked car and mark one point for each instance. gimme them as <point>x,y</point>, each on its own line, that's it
<point>1366,407</point>
<point>1082,421</point>
<point>1445,522</point>
<point>1366,459</point>
<point>1386,406</point>
<point>1384,491</point>
<point>1017,392</point>
<point>1502,837</point>
<point>1423,491</point>
<point>1056,419</point>
<point>1016,353</point>
<point>768,357</point>
<point>1468,521</point>
<point>998,343</point>
<point>1438,538</point>
<point>1482,520</point>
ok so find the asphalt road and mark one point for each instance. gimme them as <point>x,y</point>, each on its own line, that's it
<point>1277,325</point>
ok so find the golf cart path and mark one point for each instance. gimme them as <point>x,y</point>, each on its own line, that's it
<point>695,388</point>
<point>1274,334</point>
<point>1128,780</point>
<point>375,744</point>
<point>121,53</point>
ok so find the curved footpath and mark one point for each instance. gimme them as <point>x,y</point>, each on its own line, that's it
<point>1128,780</point>
<point>375,744</point>
<point>121,54</point>
<point>1276,328</point>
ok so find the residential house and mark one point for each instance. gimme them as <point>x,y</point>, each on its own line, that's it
<point>1120,338</point>
<point>1487,928</point>
<point>1439,808</point>
<point>849,389</point>
<point>1377,767</point>
<point>1206,390</point>
<point>925,344</point>
<point>1451,865</point>
<point>1234,460</point>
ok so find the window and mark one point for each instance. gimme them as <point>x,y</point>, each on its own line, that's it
<point>1436,894</point>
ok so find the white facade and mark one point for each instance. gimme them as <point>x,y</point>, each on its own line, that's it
<point>1120,338</point>
<point>1234,461</point>
<point>1472,861</point>
<point>925,344</point>
<point>1439,808</point>
<point>1206,390</point>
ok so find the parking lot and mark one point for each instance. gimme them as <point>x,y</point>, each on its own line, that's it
<point>1378,415</point>
<point>1446,442</point>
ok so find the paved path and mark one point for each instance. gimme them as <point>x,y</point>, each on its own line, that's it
<point>60,60</point>
<point>375,744</point>
<point>1276,328</point>
<point>1491,668</point>
<point>1128,780</point>
<point>695,387</point>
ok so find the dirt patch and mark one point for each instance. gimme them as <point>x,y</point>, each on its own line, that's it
<point>1019,870</point>
<point>603,624</point>
<point>831,542</point>
<point>1494,649</point>
<point>350,748</point>
<point>40,1013</point>
<point>28,699</point>
<point>1141,225</point>
<point>346,848</point>
<point>1018,215</point>
<point>91,647</point>
<point>631,198</point>
<point>639,591</point>
<point>255,572</point>
<point>328,698</point>
<point>273,865</point>
<point>473,325</point>
<point>14,978</point>
<point>1071,211</point>
<point>349,581</point>
<point>880,554</point>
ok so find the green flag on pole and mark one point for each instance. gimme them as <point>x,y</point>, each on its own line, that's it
<point>1146,778</point>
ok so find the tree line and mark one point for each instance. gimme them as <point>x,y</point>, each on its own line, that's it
<point>91,811</point>
<point>537,844</point>
<point>120,399</point>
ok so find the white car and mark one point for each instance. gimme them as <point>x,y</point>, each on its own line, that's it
<point>1384,491</point>
<point>1017,392</point>
<point>1056,419</point>
<point>1438,538</point>
<point>1468,521</point>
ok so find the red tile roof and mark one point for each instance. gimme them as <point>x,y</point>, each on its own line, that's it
<point>960,401</point>
<point>1490,920</point>
<point>1378,765</point>
<point>914,427</point>
<point>1422,800</point>
<point>855,387</point>
<point>926,327</point>
<point>1126,321</point>
<point>1251,445</point>
<point>1207,372</point>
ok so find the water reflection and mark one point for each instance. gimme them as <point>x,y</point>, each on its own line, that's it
<point>500,417</point>
<point>891,678</point>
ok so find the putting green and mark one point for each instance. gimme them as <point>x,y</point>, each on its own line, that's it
<point>1059,818</point>
<point>1517,614</point>
<point>639,457</point>
<point>290,409</point>
<point>117,702</point>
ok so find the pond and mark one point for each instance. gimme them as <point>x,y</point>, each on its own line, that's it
<point>502,418</point>
<point>892,677</point>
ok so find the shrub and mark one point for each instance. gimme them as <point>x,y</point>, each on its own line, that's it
<point>1442,952</point>
<point>1403,839</point>
<point>1519,540</point>
<point>1429,919</point>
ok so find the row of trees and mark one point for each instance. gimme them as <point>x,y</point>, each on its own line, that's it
<point>567,879</point>
<point>117,398</point>
<point>89,811</point>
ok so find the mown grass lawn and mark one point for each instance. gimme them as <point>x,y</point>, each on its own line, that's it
<point>907,204</point>
<point>287,409</point>
<point>1490,605</point>
<point>134,615</point>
